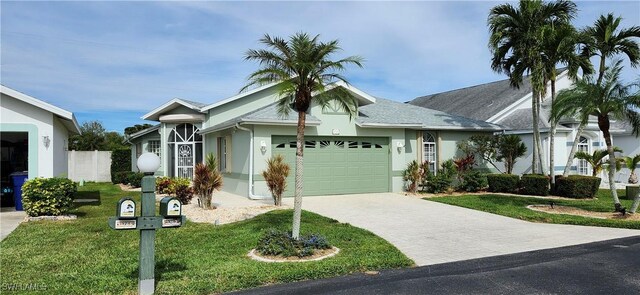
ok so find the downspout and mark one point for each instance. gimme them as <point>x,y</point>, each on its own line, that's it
<point>251,186</point>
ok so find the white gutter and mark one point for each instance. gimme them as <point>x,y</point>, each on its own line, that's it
<point>251,186</point>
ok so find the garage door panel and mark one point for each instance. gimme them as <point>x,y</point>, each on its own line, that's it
<point>335,165</point>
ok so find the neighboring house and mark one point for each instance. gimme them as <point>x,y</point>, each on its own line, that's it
<point>34,135</point>
<point>499,103</point>
<point>364,154</point>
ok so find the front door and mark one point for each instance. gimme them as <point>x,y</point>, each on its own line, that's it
<point>185,158</point>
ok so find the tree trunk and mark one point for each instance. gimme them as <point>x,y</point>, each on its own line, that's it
<point>601,70</point>
<point>534,160</point>
<point>297,202</point>
<point>539,140</point>
<point>636,202</point>
<point>552,135</point>
<point>574,149</point>
<point>603,123</point>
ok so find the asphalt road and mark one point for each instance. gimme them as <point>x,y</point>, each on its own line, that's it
<point>607,267</point>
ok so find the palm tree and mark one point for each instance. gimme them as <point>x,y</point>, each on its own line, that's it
<point>559,46</point>
<point>603,39</point>
<point>605,100</point>
<point>516,47</point>
<point>596,159</point>
<point>631,163</point>
<point>303,68</point>
<point>606,41</point>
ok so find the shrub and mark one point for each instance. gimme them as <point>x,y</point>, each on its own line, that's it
<point>48,196</point>
<point>534,184</point>
<point>280,243</point>
<point>206,180</point>
<point>120,177</point>
<point>414,175</point>
<point>120,161</point>
<point>503,183</point>
<point>276,177</point>
<point>182,190</point>
<point>135,178</point>
<point>577,186</point>
<point>473,181</point>
<point>162,184</point>
<point>438,183</point>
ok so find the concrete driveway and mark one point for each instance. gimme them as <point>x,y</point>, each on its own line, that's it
<point>432,233</point>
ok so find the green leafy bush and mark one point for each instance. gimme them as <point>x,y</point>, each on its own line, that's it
<point>135,178</point>
<point>163,184</point>
<point>280,243</point>
<point>577,186</point>
<point>120,177</point>
<point>120,161</point>
<point>503,183</point>
<point>48,196</point>
<point>438,183</point>
<point>473,181</point>
<point>534,184</point>
<point>181,189</point>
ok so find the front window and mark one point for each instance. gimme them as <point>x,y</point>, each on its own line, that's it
<point>154,147</point>
<point>583,165</point>
<point>429,151</point>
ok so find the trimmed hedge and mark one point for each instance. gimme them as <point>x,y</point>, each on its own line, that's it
<point>48,196</point>
<point>473,181</point>
<point>503,183</point>
<point>534,184</point>
<point>577,186</point>
<point>120,161</point>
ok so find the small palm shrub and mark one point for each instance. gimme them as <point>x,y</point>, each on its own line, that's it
<point>48,196</point>
<point>280,243</point>
<point>441,182</point>
<point>631,163</point>
<point>276,177</point>
<point>414,175</point>
<point>162,185</point>
<point>182,190</point>
<point>206,180</point>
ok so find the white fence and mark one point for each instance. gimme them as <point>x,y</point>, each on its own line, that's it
<point>90,166</point>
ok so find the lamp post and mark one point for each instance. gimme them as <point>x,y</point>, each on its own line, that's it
<point>148,163</point>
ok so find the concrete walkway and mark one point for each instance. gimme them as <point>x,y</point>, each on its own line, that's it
<point>9,221</point>
<point>432,233</point>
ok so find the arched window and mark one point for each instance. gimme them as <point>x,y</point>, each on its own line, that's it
<point>583,165</point>
<point>185,150</point>
<point>429,151</point>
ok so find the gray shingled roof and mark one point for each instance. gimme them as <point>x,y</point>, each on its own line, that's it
<point>144,131</point>
<point>478,102</point>
<point>268,113</point>
<point>395,113</point>
<point>193,103</point>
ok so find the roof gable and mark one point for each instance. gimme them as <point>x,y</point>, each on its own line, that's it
<point>170,105</point>
<point>68,118</point>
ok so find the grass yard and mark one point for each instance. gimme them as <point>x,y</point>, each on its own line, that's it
<point>515,206</point>
<point>85,256</point>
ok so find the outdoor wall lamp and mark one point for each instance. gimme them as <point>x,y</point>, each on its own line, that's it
<point>263,146</point>
<point>46,141</point>
<point>400,146</point>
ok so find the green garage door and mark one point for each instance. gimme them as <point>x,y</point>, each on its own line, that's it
<point>338,165</point>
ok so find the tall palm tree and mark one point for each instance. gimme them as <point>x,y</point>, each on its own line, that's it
<point>559,46</point>
<point>605,40</point>
<point>605,100</point>
<point>303,68</point>
<point>515,41</point>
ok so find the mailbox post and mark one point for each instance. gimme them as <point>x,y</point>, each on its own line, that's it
<point>147,222</point>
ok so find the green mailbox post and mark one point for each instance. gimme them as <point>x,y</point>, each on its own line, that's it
<point>147,222</point>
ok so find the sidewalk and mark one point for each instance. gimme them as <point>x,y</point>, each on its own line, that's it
<point>9,221</point>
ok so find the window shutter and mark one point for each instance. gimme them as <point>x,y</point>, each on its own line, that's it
<point>228,152</point>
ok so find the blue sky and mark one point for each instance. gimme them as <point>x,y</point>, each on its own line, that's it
<point>115,61</point>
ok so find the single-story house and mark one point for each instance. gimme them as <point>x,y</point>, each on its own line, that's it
<point>500,103</point>
<point>34,135</point>
<point>366,153</point>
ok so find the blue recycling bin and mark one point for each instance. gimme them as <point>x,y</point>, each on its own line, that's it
<point>18,179</point>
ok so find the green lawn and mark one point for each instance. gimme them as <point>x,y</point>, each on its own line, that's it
<point>85,256</point>
<point>515,206</point>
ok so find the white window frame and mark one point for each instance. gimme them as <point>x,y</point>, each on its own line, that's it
<point>430,151</point>
<point>154,146</point>
<point>582,166</point>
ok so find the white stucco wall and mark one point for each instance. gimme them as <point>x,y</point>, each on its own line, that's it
<point>19,113</point>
